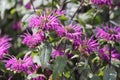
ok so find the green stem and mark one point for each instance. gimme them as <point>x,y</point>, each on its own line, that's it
<point>77,9</point>
<point>32,5</point>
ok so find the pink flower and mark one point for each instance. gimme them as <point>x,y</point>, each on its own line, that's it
<point>89,46</point>
<point>59,12</point>
<point>28,6</point>
<point>57,53</point>
<point>4,45</point>
<point>60,31</point>
<point>35,22</point>
<point>32,40</point>
<point>103,2</point>
<point>17,26</point>
<point>25,65</point>
<point>109,34</point>
<point>73,32</point>
<point>46,21</point>
<point>105,55</point>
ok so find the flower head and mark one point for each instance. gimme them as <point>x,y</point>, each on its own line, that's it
<point>46,21</point>
<point>59,12</point>
<point>28,5</point>
<point>60,31</point>
<point>17,26</point>
<point>73,32</point>
<point>32,40</point>
<point>102,2</point>
<point>109,34</point>
<point>4,45</point>
<point>105,55</point>
<point>57,53</point>
<point>88,46</point>
<point>25,65</point>
<point>35,21</point>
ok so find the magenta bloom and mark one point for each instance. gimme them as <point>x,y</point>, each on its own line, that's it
<point>32,40</point>
<point>60,31</point>
<point>17,26</point>
<point>35,22</point>
<point>49,22</point>
<point>103,2</point>
<point>104,53</point>
<point>59,12</point>
<point>109,34</point>
<point>89,46</point>
<point>25,65</point>
<point>73,32</point>
<point>69,55</point>
<point>57,53</point>
<point>41,77</point>
<point>46,21</point>
<point>28,5</point>
<point>4,45</point>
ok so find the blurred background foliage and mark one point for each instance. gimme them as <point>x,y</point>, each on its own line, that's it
<point>15,14</point>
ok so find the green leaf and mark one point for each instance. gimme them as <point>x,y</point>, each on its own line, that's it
<point>45,54</point>
<point>36,59</point>
<point>63,18</point>
<point>59,66</point>
<point>30,76</point>
<point>109,74</point>
<point>67,74</point>
<point>115,62</point>
<point>13,11</point>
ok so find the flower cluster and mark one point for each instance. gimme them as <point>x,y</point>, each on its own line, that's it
<point>17,26</point>
<point>109,33</point>
<point>103,2</point>
<point>105,54</point>
<point>32,40</point>
<point>89,46</point>
<point>73,32</point>
<point>4,45</point>
<point>56,53</point>
<point>25,65</point>
<point>46,21</point>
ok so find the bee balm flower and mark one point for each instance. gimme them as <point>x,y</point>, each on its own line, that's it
<point>105,55</point>
<point>32,40</point>
<point>88,46</point>
<point>73,32</point>
<point>109,33</point>
<point>25,65</point>
<point>102,2</point>
<point>4,45</point>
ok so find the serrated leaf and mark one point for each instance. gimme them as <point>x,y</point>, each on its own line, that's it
<point>109,74</point>
<point>45,54</point>
<point>59,66</point>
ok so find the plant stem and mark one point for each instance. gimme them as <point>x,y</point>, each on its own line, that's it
<point>52,4</point>
<point>63,4</point>
<point>77,9</point>
<point>110,46</point>
<point>32,5</point>
<point>94,17</point>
